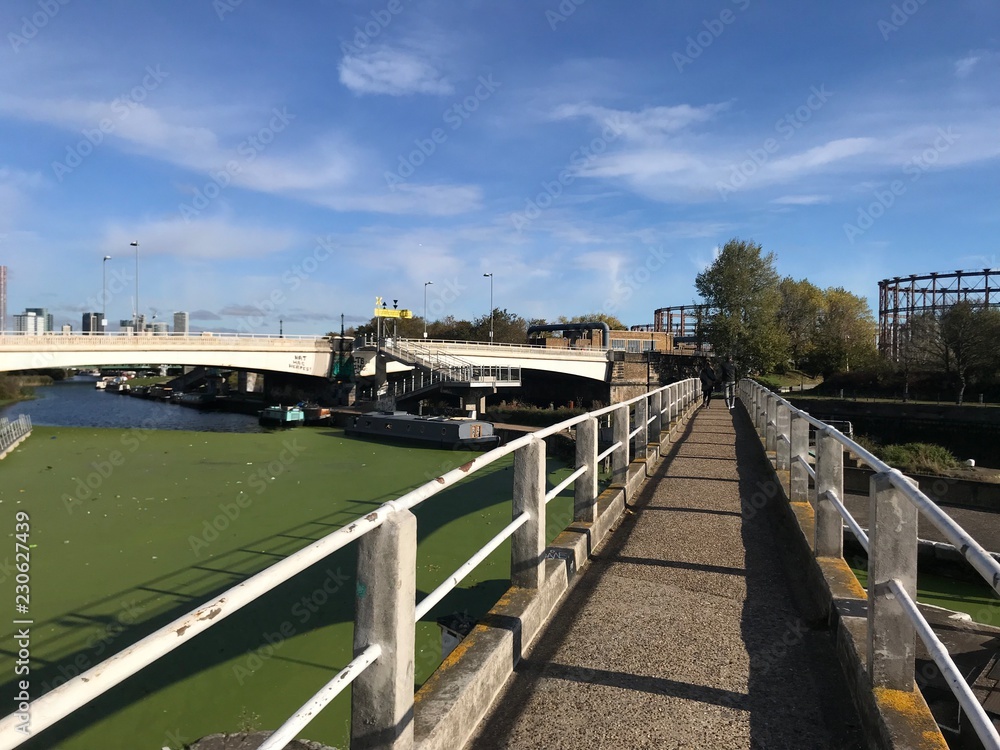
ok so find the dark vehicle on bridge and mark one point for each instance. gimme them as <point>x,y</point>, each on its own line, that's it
<point>443,432</point>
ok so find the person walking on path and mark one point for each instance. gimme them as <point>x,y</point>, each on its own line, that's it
<point>707,377</point>
<point>729,380</point>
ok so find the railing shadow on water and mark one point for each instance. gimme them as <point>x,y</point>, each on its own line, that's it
<point>244,632</point>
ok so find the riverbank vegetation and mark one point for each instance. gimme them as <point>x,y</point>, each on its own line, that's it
<point>20,387</point>
<point>913,458</point>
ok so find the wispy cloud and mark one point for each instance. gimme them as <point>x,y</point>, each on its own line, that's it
<point>391,71</point>
<point>801,200</point>
<point>966,65</point>
<point>201,239</point>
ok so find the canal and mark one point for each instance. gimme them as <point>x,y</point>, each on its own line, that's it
<point>141,511</point>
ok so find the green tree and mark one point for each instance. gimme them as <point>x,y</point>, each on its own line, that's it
<point>508,328</point>
<point>800,312</point>
<point>845,336</point>
<point>741,287</point>
<point>613,323</point>
<point>969,335</point>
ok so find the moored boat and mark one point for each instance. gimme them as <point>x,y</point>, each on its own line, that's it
<point>444,432</point>
<point>282,416</point>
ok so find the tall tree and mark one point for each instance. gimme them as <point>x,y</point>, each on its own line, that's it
<point>969,334</point>
<point>613,323</point>
<point>800,313</point>
<point>741,287</point>
<point>845,336</point>
<point>508,328</point>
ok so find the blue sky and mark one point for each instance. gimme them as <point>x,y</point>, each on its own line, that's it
<point>294,160</point>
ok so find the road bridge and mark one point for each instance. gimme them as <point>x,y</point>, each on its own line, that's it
<point>665,605</point>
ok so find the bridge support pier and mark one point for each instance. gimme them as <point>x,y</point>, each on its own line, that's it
<point>385,604</point>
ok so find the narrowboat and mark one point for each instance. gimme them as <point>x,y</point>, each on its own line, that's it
<point>443,432</point>
<point>316,415</point>
<point>282,416</point>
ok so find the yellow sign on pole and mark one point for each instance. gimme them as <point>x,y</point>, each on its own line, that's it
<point>382,312</point>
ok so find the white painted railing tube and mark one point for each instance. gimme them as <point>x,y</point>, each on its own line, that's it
<point>829,532</point>
<point>619,434</point>
<point>301,718</point>
<point>977,716</point>
<point>585,489</point>
<point>641,429</point>
<point>527,545</point>
<point>799,450</point>
<point>385,603</point>
<point>855,527</point>
<point>892,523</point>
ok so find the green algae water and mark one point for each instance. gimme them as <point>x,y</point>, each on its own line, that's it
<point>130,529</point>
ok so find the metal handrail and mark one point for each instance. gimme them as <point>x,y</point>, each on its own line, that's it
<point>80,690</point>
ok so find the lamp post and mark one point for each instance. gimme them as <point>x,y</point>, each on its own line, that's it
<point>135,321</point>
<point>104,297</point>
<point>426,284</point>
<point>491,305</point>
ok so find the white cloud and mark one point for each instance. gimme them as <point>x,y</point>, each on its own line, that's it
<point>801,200</point>
<point>645,125</point>
<point>966,65</point>
<point>390,71</point>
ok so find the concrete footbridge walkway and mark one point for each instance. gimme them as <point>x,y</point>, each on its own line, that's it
<point>683,631</point>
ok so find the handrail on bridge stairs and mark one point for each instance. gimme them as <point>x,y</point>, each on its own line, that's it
<point>895,502</point>
<point>386,611</point>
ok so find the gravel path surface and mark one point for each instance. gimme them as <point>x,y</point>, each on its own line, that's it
<point>682,632</point>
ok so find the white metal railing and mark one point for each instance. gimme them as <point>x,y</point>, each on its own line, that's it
<point>12,431</point>
<point>895,503</point>
<point>528,350</point>
<point>386,555</point>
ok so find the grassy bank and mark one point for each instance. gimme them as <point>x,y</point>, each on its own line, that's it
<point>131,529</point>
<point>972,597</point>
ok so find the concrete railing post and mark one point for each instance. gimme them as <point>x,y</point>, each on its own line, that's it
<point>671,405</point>
<point>799,482</point>
<point>892,554</point>
<point>585,487</point>
<point>829,535</point>
<point>382,696</point>
<point>784,429</point>
<point>771,426</point>
<point>656,400</point>
<point>642,436</point>
<point>619,434</point>
<point>527,545</point>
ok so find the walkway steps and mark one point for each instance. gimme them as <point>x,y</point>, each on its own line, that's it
<point>682,632</point>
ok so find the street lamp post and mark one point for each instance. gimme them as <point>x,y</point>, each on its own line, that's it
<point>426,284</point>
<point>135,321</point>
<point>104,297</point>
<point>491,305</point>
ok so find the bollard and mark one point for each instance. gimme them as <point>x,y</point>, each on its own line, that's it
<point>892,522</point>
<point>527,545</point>
<point>382,696</point>
<point>799,488</point>
<point>585,487</point>
<point>829,536</point>
<point>619,434</point>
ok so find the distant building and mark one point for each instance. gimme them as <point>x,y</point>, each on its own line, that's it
<point>92,323</point>
<point>44,317</point>
<point>29,324</point>
<point>181,323</point>
<point>67,328</point>
<point>3,298</point>
<point>626,341</point>
<point>159,329</point>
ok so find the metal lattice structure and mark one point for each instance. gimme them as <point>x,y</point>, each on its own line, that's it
<point>682,321</point>
<point>903,297</point>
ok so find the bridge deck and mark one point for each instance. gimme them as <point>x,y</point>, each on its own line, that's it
<point>682,632</point>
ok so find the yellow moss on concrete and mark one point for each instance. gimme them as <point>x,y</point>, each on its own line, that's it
<point>843,583</point>
<point>910,709</point>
